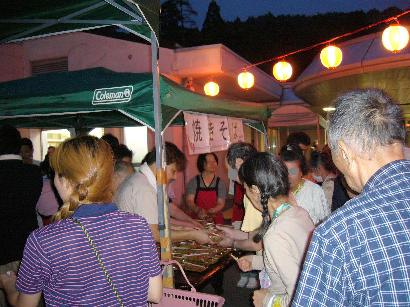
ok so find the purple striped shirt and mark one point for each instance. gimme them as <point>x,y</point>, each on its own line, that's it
<point>59,261</point>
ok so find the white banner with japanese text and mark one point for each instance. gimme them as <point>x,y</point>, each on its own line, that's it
<point>209,133</point>
<point>219,138</point>
<point>236,130</point>
<point>197,131</point>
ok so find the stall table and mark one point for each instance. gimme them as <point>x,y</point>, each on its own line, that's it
<point>202,263</point>
<point>213,274</point>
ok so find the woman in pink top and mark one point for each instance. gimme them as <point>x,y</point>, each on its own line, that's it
<point>47,204</point>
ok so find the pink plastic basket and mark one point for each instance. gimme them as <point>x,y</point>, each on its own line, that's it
<point>185,298</point>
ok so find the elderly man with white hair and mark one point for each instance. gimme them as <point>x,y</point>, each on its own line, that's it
<point>360,256</point>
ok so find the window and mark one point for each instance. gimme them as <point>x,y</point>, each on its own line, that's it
<point>136,139</point>
<point>97,132</point>
<point>52,138</point>
<point>50,65</point>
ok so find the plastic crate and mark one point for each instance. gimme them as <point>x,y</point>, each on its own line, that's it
<point>184,298</point>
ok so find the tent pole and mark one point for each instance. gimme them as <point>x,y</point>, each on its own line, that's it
<point>163,217</point>
<point>266,136</point>
<point>318,133</point>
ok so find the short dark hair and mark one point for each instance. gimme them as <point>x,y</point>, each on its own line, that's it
<point>270,175</point>
<point>200,163</point>
<point>291,153</point>
<point>121,166</point>
<point>240,150</point>
<point>10,140</point>
<point>297,138</point>
<point>324,159</point>
<point>111,139</point>
<point>173,155</point>
<point>27,142</point>
<point>122,151</point>
<point>366,119</point>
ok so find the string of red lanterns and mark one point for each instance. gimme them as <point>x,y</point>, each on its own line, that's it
<point>394,38</point>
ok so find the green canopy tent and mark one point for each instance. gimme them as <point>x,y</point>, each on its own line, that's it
<point>23,20</point>
<point>102,98</point>
<point>38,18</point>
<point>99,97</point>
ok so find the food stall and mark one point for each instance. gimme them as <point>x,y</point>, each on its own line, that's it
<point>78,99</point>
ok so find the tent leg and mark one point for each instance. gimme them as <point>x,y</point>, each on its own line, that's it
<point>163,217</point>
<point>318,134</point>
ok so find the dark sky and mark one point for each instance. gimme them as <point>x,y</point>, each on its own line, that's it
<point>230,9</point>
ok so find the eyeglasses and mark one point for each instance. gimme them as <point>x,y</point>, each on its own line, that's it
<point>293,171</point>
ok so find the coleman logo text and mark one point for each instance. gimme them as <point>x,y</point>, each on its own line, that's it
<point>112,95</point>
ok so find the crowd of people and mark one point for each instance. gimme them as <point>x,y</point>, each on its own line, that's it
<point>317,228</point>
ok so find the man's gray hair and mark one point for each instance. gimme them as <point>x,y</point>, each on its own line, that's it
<point>366,119</point>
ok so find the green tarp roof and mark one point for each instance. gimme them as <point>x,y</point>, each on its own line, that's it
<point>65,100</point>
<point>22,19</point>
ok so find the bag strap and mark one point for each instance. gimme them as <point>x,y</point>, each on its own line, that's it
<point>97,255</point>
<point>171,262</point>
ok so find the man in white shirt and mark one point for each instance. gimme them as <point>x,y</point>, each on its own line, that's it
<point>138,194</point>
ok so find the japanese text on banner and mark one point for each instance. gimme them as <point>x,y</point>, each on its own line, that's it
<point>209,133</point>
<point>197,130</point>
<point>219,138</point>
<point>236,130</point>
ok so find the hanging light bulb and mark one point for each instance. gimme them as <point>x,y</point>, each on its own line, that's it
<point>211,88</point>
<point>246,80</point>
<point>331,56</point>
<point>395,38</point>
<point>282,71</point>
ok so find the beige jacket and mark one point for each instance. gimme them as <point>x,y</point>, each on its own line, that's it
<point>285,244</point>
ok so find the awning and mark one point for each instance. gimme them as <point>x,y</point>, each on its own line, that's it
<point>100,97</point>
<point>292,115</point>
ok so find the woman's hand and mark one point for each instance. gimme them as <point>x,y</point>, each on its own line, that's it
<point>226,242</point>
<point>196,224</point>
<point>201,237</point>
<point>259,296</point>
<point>245,263</point>
<point>202,214</point>
<point>233,234</point>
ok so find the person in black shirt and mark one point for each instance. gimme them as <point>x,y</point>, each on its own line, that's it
<point>20,188</point>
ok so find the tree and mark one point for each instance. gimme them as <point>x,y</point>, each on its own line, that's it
<point>213,20</point>
<point>178,13</point>
<point>186,12</point>
<point>214,24</point>
<point>176,23</point>
<point>170,16</point>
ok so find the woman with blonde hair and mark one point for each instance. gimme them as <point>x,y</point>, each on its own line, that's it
<point>93,255</point>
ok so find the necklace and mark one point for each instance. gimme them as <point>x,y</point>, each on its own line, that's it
<point>299,187</point>
<point>283,207</point>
